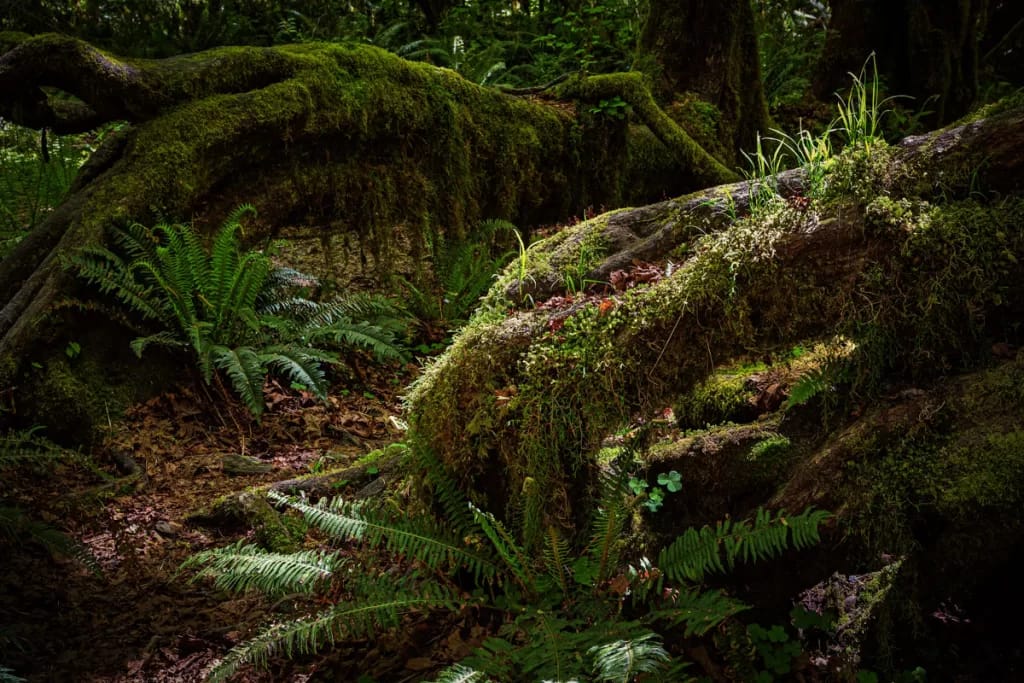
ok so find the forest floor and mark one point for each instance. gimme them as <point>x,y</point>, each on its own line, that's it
<point>141,618</point>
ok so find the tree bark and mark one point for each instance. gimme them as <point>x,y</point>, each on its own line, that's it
<point>525,397</point>
<point>928,50</point>
<point>710,49</point>
<point>346,140</point>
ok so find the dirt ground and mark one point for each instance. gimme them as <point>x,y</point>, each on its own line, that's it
<point>141,619</point>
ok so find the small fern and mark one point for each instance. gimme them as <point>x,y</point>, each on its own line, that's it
<point>697,611</point>
<point>461,674</point>
<point>18,527</point>
<point>7,676</point>
<point>28,448</point>
<point>419,539</point>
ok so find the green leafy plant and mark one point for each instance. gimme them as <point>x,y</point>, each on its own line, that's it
<point>36,171</point>
<point>234,311</point>
<point>569,612</point>
<point>762,178</point>
<point>615,108</point>
<point>861,111</point>
<point>464,270</point>
<point>7,676</point>
<point>653,499</point>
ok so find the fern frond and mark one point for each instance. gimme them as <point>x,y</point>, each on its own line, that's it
<point>7,676</point>
<point>165,338</point>
<point>242,290</point>
<point>224,267</point>
<point>807,386</point>
<point>240,567</point>
<point>292,308</point>
<point>698,611</point>
<point>446,492</point>
<point>381,609</point>
<point>556,557</point>
<point>461,674</point>
<point>349,333</point>
<point>245,370</point>
<point>419,539</point>
<point>298,364</point>
<point>515,557</point>
<point>136,241</point>
<point>695,553</point>
<point>622,661</point>
<point>27,447</point>
<point>609,521</point>
<point>281,282</point>
<point>112,275</point>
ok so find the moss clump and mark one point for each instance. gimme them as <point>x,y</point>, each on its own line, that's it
<point>725,396</point>
<point>275,532</point>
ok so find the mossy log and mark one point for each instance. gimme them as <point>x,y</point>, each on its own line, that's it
<point>900,253</point>
<point>343,140</point>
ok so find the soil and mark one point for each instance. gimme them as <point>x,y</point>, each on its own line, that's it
<point>139,618</point>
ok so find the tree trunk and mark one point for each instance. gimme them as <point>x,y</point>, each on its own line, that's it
<point>520,404</point>
<point>708,49</point>
<point>928,50</point>
<point>339,140</point>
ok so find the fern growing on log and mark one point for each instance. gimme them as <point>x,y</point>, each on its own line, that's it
<point>234,311</point>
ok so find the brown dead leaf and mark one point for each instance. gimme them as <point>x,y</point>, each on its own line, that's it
<point>419,664</point>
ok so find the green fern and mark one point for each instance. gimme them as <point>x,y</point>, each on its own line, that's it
<point>27,447</point>
<point>237,313</point>
<point>241,567</point>
<point>446,493</point>
<point>557,559</point>
<point>515,558</point>
<point>697,611</point>
<point>7,676</point>
<point>381,606</point>
<point>461,674</point>
<point>419,539</point>
<point>695,553</point>
<point>463,272</point>
<point>17,527</point>
<point>609,521</point>
<point>621,661</point>
<point>562,621</point>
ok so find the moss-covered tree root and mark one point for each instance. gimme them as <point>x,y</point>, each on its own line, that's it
<point>897,259</point>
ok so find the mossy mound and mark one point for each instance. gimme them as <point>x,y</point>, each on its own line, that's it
<point>918,283</point>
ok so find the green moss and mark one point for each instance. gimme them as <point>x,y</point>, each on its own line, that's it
<point>537,391</point>
<point>722,397</point>
<point>960,464</point>
<point>703,121</point>
<point>634,89</point>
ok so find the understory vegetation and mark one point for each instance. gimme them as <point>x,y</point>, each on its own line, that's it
<point>569,610</point>
<point>234,310</point>
<point>332,350</point>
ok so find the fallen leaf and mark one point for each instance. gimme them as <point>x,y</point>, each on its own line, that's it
<point>419,664</point>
